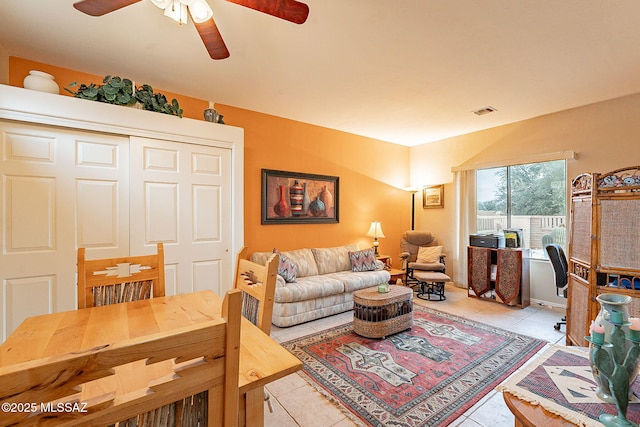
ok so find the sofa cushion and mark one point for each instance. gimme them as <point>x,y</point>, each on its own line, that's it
<point>430,266</point>
<point>302,258</point>
<point>309,287</point>
<point>330,260</point>
<point>293,313</point>
<point>359,280</point>
<point>286,268</point>
<point>364,260</point>
<point>429,254</point>
<point>305,261</point>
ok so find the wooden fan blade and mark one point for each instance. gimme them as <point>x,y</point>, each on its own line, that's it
<point>212,39</point>
<point>101,7</point>
<point>289,10</point>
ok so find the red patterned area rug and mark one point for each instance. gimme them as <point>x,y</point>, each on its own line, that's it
<point>427,376</point>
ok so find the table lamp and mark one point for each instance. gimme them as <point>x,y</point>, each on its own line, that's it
<point>375,231</point>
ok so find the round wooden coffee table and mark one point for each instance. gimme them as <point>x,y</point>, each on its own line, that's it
<point>379,314</point>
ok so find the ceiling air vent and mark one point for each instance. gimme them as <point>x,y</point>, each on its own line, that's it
<point>483,111</point>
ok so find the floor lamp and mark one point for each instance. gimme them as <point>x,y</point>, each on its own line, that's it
<point>413,209</point>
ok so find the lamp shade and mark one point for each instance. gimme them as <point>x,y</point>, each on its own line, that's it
<point>375,230</point>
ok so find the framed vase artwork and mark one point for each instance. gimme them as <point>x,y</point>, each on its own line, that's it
<point>433,197</point>
<point>294,197</point>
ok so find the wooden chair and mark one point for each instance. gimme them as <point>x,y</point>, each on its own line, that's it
<point>258,284</point>
<point>99,385</point>
<point>115,280</point>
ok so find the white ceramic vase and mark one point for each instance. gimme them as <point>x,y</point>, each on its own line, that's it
<point>43,82</point>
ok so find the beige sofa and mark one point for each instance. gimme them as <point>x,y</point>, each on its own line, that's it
<point>323,286</point>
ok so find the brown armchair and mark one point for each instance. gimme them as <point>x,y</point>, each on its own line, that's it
<point>410,245</point>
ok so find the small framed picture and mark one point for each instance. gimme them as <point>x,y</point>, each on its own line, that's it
<point>433,197</point>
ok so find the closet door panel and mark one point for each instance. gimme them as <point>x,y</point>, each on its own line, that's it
<point>38,291</point>
<point>30,203</point>
<point>60,189</point>
<point>162,215</point>
<point>102,195</point>
<point>181,196</point>
<point>99,220</point>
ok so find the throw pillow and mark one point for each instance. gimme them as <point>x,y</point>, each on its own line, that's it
<point>429,254</point>
<point>364,260</point>
<point>286,268</point>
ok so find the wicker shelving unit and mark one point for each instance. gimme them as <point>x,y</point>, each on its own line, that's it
<point>604,245</point>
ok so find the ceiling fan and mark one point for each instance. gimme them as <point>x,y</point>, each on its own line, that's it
<point>202,16</point>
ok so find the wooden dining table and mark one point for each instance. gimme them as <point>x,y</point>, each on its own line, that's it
<point>262,359</point>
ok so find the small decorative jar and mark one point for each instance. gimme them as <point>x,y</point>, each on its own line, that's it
<point>43,82</point>
<point>211,115</point>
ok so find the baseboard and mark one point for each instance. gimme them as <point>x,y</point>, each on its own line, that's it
<point>534,301</point>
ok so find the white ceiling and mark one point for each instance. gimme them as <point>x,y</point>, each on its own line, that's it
<point>403,71</point>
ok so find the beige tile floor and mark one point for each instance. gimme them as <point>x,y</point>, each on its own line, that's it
<point>296,403</point>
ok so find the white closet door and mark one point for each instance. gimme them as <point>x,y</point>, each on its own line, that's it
<point>181,196</point>
<point>60,189</point>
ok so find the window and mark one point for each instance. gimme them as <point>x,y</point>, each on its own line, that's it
<point>530,196</point>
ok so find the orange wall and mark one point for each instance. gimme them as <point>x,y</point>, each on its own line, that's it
<point>371,172</point>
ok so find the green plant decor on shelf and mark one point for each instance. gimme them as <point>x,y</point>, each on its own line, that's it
<point>114,90</point>
<point>119,91</point>
<point>157,101</point>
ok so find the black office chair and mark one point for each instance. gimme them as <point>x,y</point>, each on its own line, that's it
<point>561,270</point>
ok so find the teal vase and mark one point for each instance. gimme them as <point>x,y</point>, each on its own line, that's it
<point>317,207</point>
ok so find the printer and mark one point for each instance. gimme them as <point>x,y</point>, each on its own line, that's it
<point>494,241</point>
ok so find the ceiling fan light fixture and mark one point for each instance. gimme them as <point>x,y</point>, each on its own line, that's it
<point>200,11</point>
<point>177,11</point>
<point>290,10</point>
<point>162,4</point>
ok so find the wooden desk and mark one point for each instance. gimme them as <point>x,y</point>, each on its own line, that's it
<point>262,359</point>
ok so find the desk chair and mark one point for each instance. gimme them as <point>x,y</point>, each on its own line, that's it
<point>115,280</point>
<point>561,273</point>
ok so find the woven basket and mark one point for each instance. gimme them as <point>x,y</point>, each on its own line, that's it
<point>377,315</point>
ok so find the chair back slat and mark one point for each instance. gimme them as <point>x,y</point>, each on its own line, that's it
<point>122,279</point>
<point>257,283</point>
